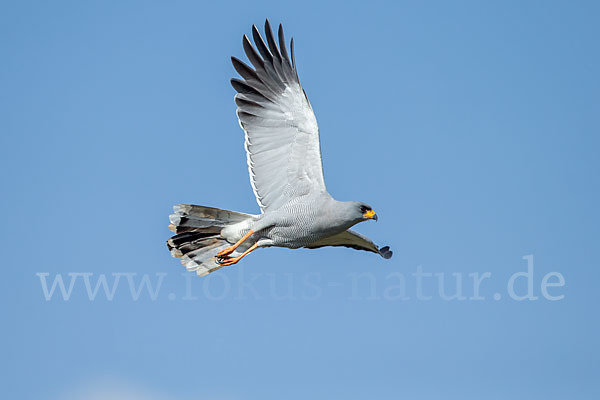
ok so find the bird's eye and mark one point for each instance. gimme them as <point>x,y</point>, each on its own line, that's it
<point>364,209</point>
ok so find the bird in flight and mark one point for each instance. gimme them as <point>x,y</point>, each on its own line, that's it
<point>283,154</point>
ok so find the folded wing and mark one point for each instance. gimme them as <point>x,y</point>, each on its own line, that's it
<point>282,136</point>
<point>353,240</point>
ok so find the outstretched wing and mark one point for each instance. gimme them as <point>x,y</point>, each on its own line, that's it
<point>354,240</point>
<point>282,136</point>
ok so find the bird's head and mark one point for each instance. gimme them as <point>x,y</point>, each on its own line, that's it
<point>359,212</point>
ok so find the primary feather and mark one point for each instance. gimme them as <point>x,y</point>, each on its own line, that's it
<point>282,135</point>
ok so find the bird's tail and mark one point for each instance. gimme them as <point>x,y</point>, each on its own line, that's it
<point>198,235</point>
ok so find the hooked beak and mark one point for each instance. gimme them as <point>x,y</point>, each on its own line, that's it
<point>370,215</point>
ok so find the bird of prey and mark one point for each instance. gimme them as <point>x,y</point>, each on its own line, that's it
<point>284,161</point>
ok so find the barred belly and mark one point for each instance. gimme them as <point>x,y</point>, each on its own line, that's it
<point>300,225</point>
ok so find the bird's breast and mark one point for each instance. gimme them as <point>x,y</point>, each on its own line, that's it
<point>303,224</point>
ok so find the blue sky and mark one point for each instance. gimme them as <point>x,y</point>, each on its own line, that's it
<point>470,127</point>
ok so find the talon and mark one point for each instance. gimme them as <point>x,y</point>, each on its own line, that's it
<point>225,252</point>
<point>229,261</point>
<point>225,261</point>
<point>220,259</point>
<point>228,250</point>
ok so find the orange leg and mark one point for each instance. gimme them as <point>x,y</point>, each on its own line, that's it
<point>230,249</point>
<point>224,261</point>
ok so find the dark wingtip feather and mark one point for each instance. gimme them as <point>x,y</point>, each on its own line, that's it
<point>271,40</point>
<point>241,87</point>
<point>385,252</point>
<point>282,47</point>
<point>251,53</point>
<point>292,50</point>
<point>244,70</point>
<point>260,44</point>
<point>240,102</point>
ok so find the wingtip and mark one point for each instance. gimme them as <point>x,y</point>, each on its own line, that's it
<point>255,32</point>
<point>385,252</point>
